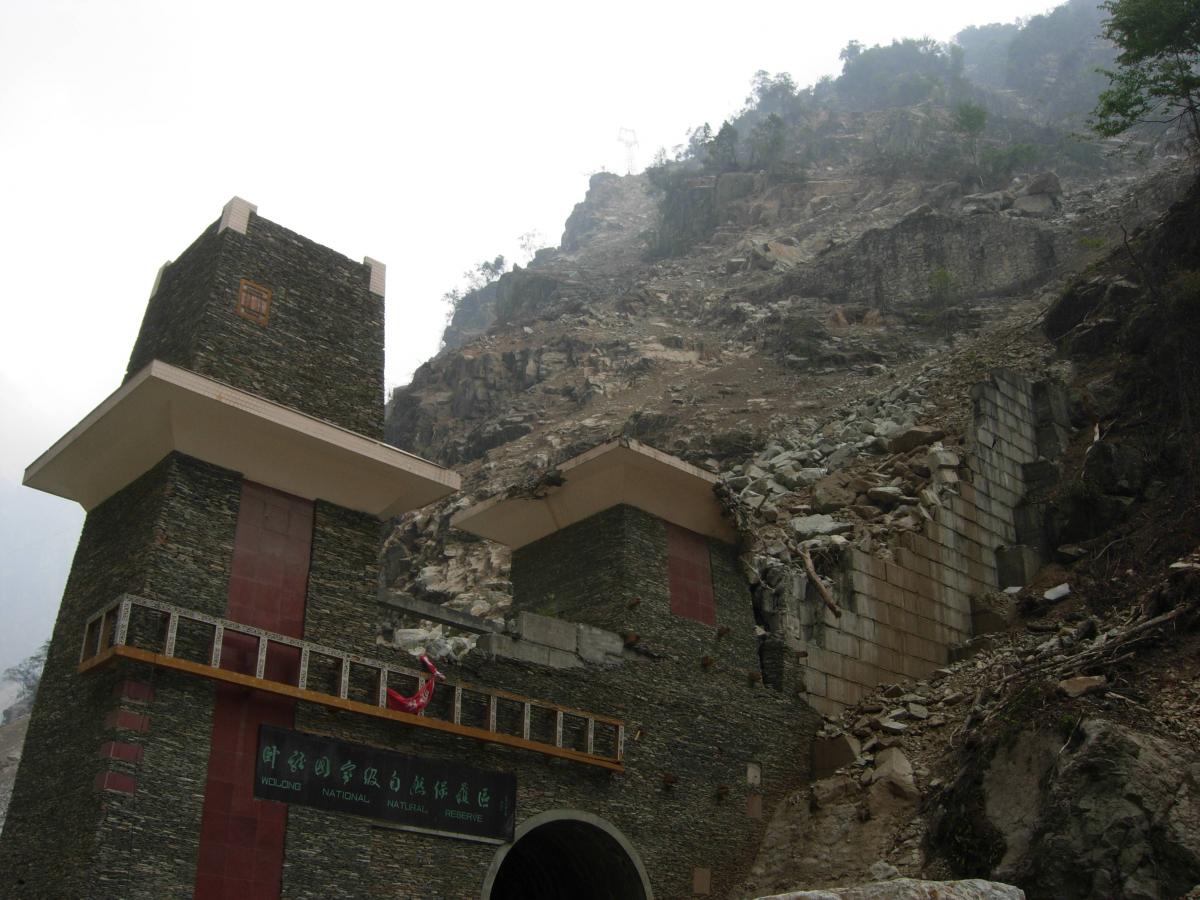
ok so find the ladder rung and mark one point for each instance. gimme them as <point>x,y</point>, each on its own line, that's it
<point>172,631</point>
<point>218,640</point>
<point>123,616</point>
<point>260,665</point>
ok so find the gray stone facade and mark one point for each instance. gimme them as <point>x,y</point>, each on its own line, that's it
<point>321,350</point>
<point>684,801</point>
<point>167,536</point>
<point>116,775</point>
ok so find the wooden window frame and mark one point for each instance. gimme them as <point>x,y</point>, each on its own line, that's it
<point>250,295</point>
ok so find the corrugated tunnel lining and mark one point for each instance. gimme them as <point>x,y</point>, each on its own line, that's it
<point>567,859</point>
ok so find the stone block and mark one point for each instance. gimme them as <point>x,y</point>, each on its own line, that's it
<point>596,645</point>
<point>830,754</point>
<point>548,631</point>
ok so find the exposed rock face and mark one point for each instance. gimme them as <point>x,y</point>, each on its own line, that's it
<point>983,255</point>
<point>1115,815</point>
<point>912,889</point>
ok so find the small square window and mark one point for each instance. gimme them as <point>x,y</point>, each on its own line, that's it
<point>254,302</point>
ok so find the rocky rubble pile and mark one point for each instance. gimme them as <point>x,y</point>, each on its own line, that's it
<point>923,774</point>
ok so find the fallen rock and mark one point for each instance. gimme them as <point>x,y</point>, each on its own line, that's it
<point>831,494</point>
<point>881,870</point>
<point>893,770</point>
<point>1057,592</point>
<point>912,889</point>
<point>911,438</point>
<point>1043,183</point>
<point>1082,684</point>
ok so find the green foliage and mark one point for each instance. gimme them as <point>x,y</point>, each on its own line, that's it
<point>985,52</point>
<point>970,119</point>
<point>766,141</point>
<point>699,141</point>
<point>771,94</point>
<point>1050,60</point>
<point>1001,162</point>
<point>1158,74</point>
<point>477,277</point>
<point>906,73</point>
<point>722,149</point>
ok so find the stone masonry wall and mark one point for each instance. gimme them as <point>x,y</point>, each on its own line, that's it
<point>114,759</point>
<point>902,615</point>
<point>321,350</point>
<point>698,727</point>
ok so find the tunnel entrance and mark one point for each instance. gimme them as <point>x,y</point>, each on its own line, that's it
<point>565,856</point>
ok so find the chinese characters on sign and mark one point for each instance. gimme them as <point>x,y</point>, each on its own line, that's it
<point>432,794</point>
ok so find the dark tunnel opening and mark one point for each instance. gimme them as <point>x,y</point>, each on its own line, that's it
<point>564,859</point>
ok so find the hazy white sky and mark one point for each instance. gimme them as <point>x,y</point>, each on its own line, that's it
<point>428,136</point>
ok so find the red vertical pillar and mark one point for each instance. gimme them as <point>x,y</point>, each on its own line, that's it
<point>689,575</point>
<point>241,838</point>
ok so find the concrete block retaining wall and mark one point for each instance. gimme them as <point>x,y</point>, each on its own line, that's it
<point>902,615</point>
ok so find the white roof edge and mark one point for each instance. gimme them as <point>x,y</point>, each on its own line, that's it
<point>517,521</point>
<point>160,390</point>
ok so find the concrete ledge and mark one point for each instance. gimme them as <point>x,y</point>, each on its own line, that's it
<point>558,634</point>
<point>442,615</point>
<point>524,651</point>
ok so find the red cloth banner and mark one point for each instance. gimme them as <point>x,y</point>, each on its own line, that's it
<point>421,698</point>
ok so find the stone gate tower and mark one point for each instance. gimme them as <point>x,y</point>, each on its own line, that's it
<point>236,478</point>
<point>215,717</point>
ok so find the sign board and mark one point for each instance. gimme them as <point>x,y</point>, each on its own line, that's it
<point>431,795</point>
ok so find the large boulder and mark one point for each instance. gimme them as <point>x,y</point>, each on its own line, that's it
<point>1043,184</point>
<point>1116,814</point>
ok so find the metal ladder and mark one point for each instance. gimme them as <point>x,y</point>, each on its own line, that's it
<point>599,739</point>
